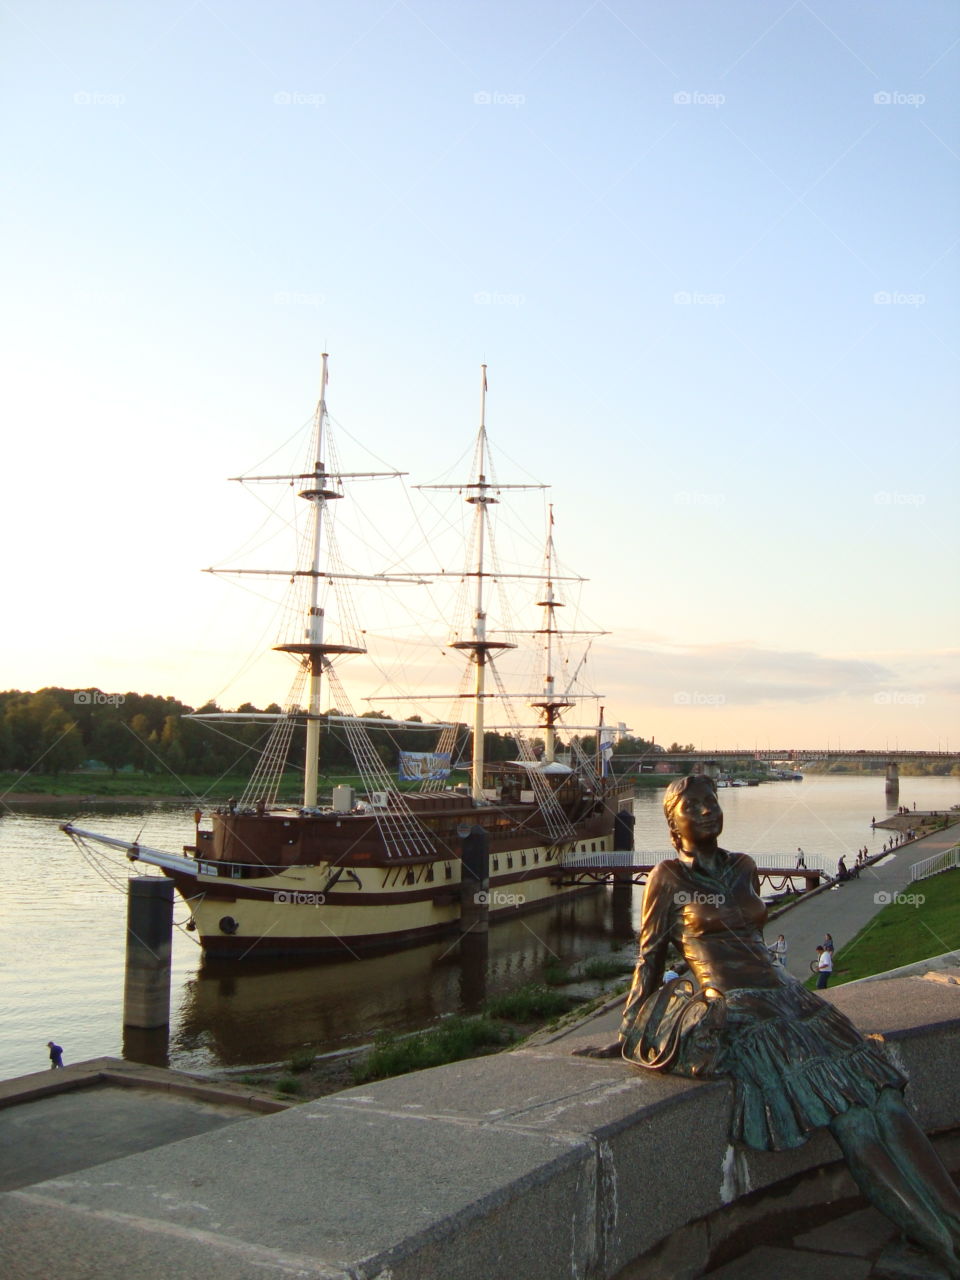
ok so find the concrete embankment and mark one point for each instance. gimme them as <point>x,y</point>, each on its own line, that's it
<point>537,1164</point>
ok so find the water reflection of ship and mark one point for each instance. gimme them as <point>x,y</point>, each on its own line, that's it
<point>264,1011</point>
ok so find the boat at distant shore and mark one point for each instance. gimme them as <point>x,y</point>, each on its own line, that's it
<point>377,867</point>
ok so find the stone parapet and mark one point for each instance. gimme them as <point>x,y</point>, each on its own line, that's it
<point>533,1164</point>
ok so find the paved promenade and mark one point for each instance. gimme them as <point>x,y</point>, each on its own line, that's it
<point>842,912</point>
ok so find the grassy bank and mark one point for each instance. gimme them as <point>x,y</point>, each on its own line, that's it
<point>923,922</point>
<point>503,1022</point>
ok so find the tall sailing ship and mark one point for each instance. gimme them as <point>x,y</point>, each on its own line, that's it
<point>376,867</point>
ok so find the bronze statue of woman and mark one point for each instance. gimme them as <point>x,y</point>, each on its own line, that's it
<point>796,1062</point>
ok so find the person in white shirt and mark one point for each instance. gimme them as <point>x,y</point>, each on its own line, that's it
<point>824,967</point>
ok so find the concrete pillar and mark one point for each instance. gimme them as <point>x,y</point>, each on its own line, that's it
<point>623,824</point>
<point>149,1045</point>
<point>474,879</point>
<point>146,991</point>
<point>892,786</point>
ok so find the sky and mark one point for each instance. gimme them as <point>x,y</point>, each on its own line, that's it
<point>708,253</point>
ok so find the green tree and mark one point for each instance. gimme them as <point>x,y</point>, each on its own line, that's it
<point>111,742</point>
<point>62,743</point>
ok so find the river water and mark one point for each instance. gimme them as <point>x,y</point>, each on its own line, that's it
<point>62,927</point>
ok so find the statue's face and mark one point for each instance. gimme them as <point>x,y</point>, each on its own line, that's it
<point>697,816</point>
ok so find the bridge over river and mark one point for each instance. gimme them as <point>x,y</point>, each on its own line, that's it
<point>708,760</point>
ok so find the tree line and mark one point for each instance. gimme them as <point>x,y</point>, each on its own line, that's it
<point>53,731</point>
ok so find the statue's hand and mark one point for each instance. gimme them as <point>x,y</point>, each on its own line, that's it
<point>599,1051</point>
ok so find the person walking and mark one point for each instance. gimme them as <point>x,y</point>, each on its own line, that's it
<point>824,967</point>
<point>779,951</point>
<point>56,1055</point>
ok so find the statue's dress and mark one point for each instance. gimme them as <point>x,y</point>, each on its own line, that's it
<point>795,1060</point>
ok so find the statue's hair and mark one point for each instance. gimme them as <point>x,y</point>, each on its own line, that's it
<point>676,790</point>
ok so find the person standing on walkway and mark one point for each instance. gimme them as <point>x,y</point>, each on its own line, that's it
<point>56,1055</point>
<point>824,967</point>
<point>779,950</point>
<point>828,942</point>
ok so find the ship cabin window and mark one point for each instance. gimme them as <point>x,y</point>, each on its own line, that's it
<point>509,859</point>
<point>448,872</point>
<point>523,859</point>
<point>409,878</point>
<point>496,864</point>
<point>429,876</point>
<point>236,873</point>
<point>593,846</point>
<point>536,857</point>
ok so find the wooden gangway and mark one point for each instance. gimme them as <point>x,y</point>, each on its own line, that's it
<point>780,870</point>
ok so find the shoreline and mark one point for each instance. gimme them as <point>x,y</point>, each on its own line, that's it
<point>31,798</point>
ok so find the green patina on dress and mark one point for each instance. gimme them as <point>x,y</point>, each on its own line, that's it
<point>796,1062</point>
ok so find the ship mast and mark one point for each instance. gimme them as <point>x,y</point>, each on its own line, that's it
<point>313,629</point>
<point>551,704</point>
<point>479,646</point>
<point>320,487</point>
<point>480,494</point>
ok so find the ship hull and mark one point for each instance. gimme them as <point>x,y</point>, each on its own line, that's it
<point>337,910</point>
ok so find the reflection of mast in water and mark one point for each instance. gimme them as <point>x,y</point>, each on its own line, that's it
<point>264,1012</point>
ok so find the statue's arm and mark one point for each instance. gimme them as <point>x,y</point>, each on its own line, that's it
<point>655,925</point>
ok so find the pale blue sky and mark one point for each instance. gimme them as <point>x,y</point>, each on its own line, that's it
<point>670,229</point>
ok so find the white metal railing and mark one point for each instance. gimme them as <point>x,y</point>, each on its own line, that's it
<point>640,858</point>
<point>939,862</point>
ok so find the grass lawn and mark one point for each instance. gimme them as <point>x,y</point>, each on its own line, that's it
<point>924,922</point>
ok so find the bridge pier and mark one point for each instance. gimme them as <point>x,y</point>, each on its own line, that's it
<point>707,769</point>
<point>892,784</point>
